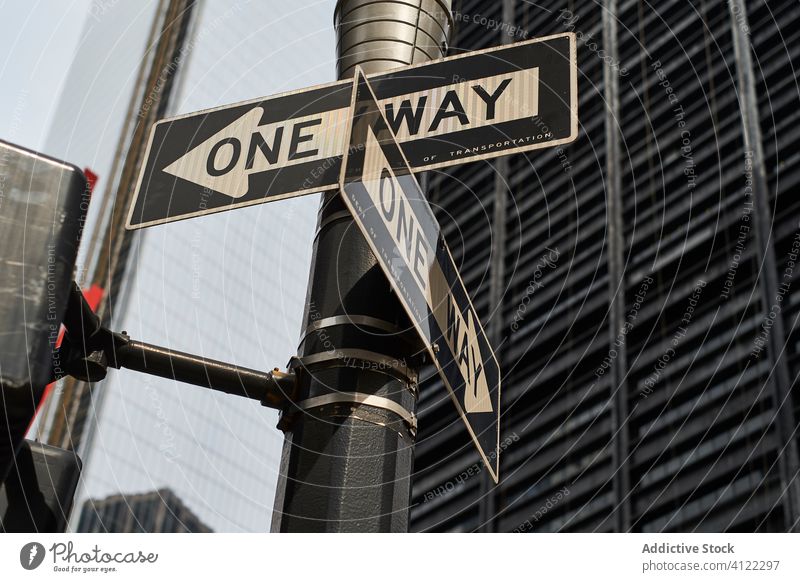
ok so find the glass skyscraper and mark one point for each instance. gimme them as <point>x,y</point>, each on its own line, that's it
<point>229,286</point>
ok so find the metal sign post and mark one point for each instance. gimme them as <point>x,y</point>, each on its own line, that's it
<point>348,454</point>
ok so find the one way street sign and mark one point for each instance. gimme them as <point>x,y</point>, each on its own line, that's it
<point>392,212</point>
<point>474,106</point>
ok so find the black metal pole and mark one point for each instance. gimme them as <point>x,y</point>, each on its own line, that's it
<point>274,389</point>
<point>89,349</point>
<point>348,452</point>
<point>615,250</point>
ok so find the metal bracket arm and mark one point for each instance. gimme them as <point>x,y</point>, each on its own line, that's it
<point>89,349</point>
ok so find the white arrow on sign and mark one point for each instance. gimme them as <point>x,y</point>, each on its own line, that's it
<point>223,161</point>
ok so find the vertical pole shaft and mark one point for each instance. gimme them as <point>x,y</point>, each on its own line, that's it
<point>615,250</point>
<point>348,451</point>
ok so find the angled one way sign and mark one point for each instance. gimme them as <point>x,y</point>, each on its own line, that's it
<point>474,106</point>
<point>392,212</point>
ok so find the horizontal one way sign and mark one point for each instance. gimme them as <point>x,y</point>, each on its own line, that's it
<point>392,212</point>
<point>474,106</point>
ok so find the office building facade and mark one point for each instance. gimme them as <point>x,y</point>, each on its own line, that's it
<point>638,285</point>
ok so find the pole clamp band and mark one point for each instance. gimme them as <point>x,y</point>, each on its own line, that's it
<point>356,320</point>
<point>370,361</point>
<point>359,398</point>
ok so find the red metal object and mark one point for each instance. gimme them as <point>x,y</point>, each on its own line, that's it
<point>91,178</point>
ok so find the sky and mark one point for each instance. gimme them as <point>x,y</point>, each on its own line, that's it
<point>37,42</point>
